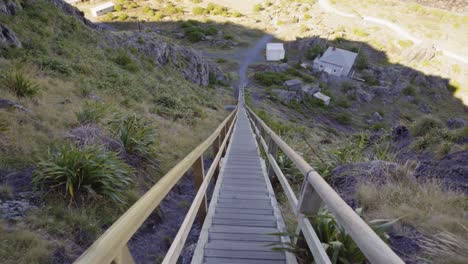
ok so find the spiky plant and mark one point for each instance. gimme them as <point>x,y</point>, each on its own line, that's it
<point>19,84</point>
<point>89,171</point>
<point>138,137</point>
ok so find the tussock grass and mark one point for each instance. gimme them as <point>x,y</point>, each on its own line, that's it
<point>19,84</point>
<point>22,246</point>
<point>90,171</point>
<point>446,248</point>
<point>424,125</point>
<point>428,206</point>
<point>92,112</point>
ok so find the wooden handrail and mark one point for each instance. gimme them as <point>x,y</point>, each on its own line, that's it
<point>111,247</point>
<point>316,190</point>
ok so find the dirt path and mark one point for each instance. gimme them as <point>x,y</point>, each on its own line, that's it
<point>325,5</point>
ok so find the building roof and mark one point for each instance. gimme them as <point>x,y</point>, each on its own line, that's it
<point>339,57</point>
<point>321,96</point>
<point>275,46</point>
<point>102,6</point>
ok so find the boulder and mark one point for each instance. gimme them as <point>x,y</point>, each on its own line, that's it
<point>377,117</point>
<point>4,103</point>
<point>10,7</point>
<point>278,67</point>
<point>293,85</point>
<point>8,38</point>
<point>310,90</point>
<point>286,96</point>
<point>456,122</point>
<point>363,96</point>
<point>193,66</point>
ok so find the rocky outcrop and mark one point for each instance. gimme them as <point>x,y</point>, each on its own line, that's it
<point>4,103</point>
<point>8,38</point>
<point>10,7</point>
<point>194,66</point>
<point>73,11</point>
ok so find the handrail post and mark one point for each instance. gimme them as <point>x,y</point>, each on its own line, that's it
<point>199,175</point>
<point>273,150</point>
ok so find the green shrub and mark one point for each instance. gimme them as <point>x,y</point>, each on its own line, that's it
<point>236,14</point>
<point>409,90</point>
<point>228,37</point>
<point>19,84</point>
<point>370,79</point>
<point>125,61</point>
<point>270,78</point>
<point>118,8</point>
<point>343,103</point>
<point>195,36</point>
<point>196,1</point>
<point>122,17</point>
<point>257,8</point>
<point>361,62</point>
<point>92,112</point>
<point>424,125</point>
<point>343,118</point>
<point>158,16</point>
<point>360,33</point>
<point>147,9</point>
<point>314,51</point>
<point>211,30</point>
<point>55,66</point>
<point>198,10</point>
<point>89,171</point>
<point>138,137</point>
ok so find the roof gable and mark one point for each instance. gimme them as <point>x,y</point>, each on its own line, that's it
<point>339,57</point>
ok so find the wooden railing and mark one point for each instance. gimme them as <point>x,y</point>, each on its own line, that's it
<point>316,192</point>
<point>112,247</point>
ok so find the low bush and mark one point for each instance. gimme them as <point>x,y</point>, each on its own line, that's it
<point>270,78</point>
<point>19,84</point>
<point>122,17</point>
<point>21,246</point>
<point>236,14</point>
<point>409,90</point>
<point>125,61</point>
<point>343,118</point>
<point>138,137</point>
<point>424,125</point>
<point>198,10</point>
<point>361,62</point>
<point>84,172</point>
<point>92,112</point>
<point>314,51</point>
<point>195,36</point>
<point>257,8</point>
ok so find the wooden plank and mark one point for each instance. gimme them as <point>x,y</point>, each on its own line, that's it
<point>243,222</point>
<point>242,229</point>
<point>245,237</point>
<point>215,260</point>
<point>245,196</point>
<point>233,245</point>
<point>245,211</point>
<point>245,254</point>
<point>244,216</point>
<point>125,257</point>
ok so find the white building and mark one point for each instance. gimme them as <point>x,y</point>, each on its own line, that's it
<point>324,98</point>
<point>102,9</point>
<point>275,51</point>
<point>335,61</point>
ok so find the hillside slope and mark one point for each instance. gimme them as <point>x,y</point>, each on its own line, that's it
<point>134,104</point>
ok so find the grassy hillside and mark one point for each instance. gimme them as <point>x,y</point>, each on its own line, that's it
<point>84,102</point>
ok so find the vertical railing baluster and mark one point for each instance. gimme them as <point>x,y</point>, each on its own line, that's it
<point>199,175</point>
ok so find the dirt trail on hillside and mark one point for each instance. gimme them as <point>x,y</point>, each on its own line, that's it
<point>325,5</point>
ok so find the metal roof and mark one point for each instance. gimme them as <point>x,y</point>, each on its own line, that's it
<point>339,57</point>
<point>275,46</point>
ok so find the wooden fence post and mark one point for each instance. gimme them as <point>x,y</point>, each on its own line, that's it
<point>308,205</point>
<point>273,150</point>
<point>199,175</point>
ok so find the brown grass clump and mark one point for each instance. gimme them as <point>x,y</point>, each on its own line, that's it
<point>428,206</point>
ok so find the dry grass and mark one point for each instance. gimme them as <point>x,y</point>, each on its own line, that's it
<point>22,246</point>
<point>446,248</point>
<point>428,206</point>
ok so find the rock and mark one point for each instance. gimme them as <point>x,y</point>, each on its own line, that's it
<point>377,117</point>
<point>14,210</point>
<point>278,67</point>
<point>400,133</point>
<point>293,85</point>
<point>10,7</point>
<point>8,38</point>
<point>179,35</point>
<point>73,11</point>
<point>94,97</point>
<point>286,96</point>
<point>363,96</point>
<point>424,108</point>
<point>193,66</point>
<point>456,122</point>
<point>92,134</point>
<point>5,103</point>
<point>310,90</point>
